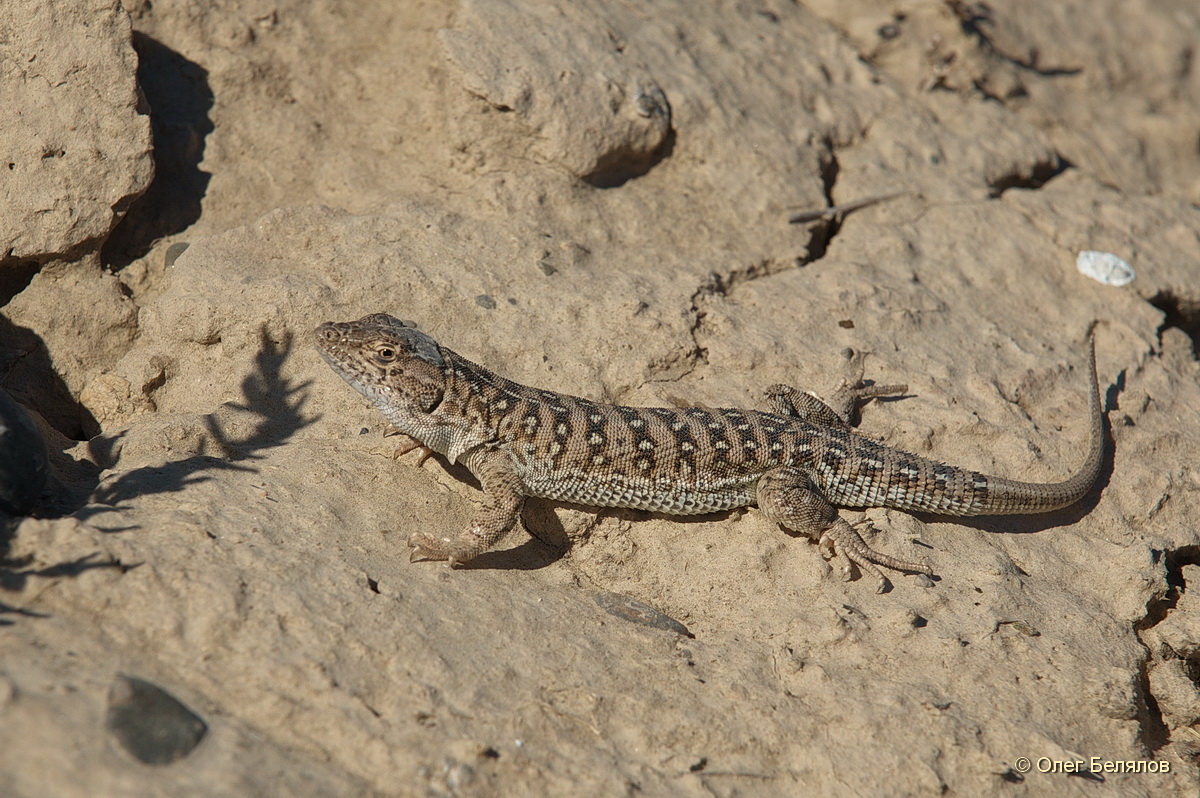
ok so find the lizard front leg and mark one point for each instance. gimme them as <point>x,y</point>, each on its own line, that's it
<point>787,496</point>
<point>503,497</point>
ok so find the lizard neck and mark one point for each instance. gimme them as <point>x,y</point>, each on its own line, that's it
<point>474,403</point>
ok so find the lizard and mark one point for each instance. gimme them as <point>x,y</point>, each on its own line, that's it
<point>797,460</point>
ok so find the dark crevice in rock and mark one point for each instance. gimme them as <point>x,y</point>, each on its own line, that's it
<point>617,171</point>
<point>179,100</point>
<point>1182,313</point>
<point>1154,732</point>
<point>720,285</point>
<point>1158,608</point>
<point>15,277</point>
<point>821,230</point>
<point>825,223</point>
<point>822,234</point>
<point>35,263</point>
<point>1032,176</point>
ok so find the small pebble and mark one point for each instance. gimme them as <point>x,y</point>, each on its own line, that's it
<point>630,609</point>
<point>173,253</point>
<point>485,301</point>
<point>150,723</point>
<point>650,101</point>
<point>889,31</point>
<point>1105,267</point>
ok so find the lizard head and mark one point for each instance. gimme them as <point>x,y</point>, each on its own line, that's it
<point>387,360</point>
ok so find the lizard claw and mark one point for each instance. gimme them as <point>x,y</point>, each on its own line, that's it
<point>829,553</point>
<point>844,537</point>
<point>426,547</point>
<point>407,445</point>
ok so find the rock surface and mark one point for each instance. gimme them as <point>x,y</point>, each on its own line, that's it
<point>75,131</point>
<point>593,198</point>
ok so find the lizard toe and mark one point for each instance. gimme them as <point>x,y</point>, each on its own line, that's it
<point>845,538</point>
<point>829,552</point>
<point>423,546</point>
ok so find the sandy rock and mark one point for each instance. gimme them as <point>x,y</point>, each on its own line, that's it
<point>235,533</point>
<point>1174,643</point>
<point>76,135</point>
<point>1068,81</point>
<point>72,322</point>
<point>590,105</point>
<point>234,302</point>
<point>1174,689</point>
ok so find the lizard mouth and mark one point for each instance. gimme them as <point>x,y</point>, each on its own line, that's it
<point>330,346</point>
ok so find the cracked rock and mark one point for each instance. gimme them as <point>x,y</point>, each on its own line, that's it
<point>76,140</point>
<point>590,105</point>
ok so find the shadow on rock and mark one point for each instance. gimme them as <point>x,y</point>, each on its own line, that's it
<point>180,99</point>
<point>7,609</point>
<point>55,424</point>
<point>15,573</point>
<point>27,373</point>
<point>269,415</point>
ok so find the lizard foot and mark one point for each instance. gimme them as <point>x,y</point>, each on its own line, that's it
<point>408,444</point>
<point>851,395</point>
<point>500,513</point>
<point>838,412</point>
<point>845,538</point>
<point>423,546</point>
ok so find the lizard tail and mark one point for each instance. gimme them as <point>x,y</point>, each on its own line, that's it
<point>909,482</point>
<point>1000,496</point>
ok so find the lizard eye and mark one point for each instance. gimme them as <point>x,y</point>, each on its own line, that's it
<point>385,354</point>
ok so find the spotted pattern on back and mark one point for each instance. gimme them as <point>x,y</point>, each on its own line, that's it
<point>679,461</point>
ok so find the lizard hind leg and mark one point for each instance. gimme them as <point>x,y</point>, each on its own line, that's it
<point>838,411</point>
<point>787,496</point>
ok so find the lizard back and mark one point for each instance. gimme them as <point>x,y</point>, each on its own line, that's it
<point>673,460</point>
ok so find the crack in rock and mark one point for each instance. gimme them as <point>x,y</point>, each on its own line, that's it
<point>1169,674</point>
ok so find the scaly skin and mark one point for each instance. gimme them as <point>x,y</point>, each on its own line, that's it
<point>795,461</point>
